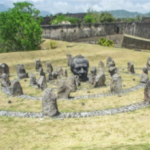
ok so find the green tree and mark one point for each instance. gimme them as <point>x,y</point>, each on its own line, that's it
<point>106,17</point>
<point>20,28</point>
<point>89,19</point>
<point>60,18</point>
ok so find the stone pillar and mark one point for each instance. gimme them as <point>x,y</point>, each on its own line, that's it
<point>49,103</point>
<point>116,84</point>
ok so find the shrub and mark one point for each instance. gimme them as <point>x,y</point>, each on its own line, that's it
<point>53,44</point>
<point>20,29</point>
<point>105,42</point>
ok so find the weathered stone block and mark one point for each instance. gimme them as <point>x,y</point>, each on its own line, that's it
<point>49,103</point>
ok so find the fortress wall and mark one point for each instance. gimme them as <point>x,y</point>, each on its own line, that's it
<point>138,29</point>
<point>74,32</point>
<point>135,43</point>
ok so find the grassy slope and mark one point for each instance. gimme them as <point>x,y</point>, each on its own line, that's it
<point>122,131</point>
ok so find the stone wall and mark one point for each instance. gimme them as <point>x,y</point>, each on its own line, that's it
<point>132,42</point>
<point>138,29</point>
<point>74,32</point>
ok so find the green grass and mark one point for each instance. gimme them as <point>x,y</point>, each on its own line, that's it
<point>126,131</point>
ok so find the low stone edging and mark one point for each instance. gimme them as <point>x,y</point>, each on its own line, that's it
<point>118,110</point>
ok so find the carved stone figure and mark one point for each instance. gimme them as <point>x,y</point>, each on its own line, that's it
<point>144,76</point>
<point>91,78</point>
<point>33,80</point>
<point>49,103</point>
<point>65,74</point>
<point>49,67</point>
<point>100,80</point>
<point>71,81</point>
<point>77,80</point>
<point>113,70</point>
<point>38,65</point>
<point>41,83</point>
<point>59,71</point>
<point>109,59</point>
<point>63,90</point>
<point>79,66</point>
<point>4,69</point>
<point>21,72</point>
<point>42,73</point>
<point>116,83</point>
<point>15,88</point>
<point>49,77</point>
<point>131,67</point>
<point>54,75</point>
<point>111,64</point>
<point>93,70</point>
<point>101,65</point>
<point>148,63</point>
<point>5,82</point>
<point>69,58</point>
<point>147,91</point>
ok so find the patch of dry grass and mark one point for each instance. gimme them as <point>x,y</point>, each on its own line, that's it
<point>127,131</point>
<point>116,132</point>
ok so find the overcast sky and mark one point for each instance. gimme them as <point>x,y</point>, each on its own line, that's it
<point>74,6</point>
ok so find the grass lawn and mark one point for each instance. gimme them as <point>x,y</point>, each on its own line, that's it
<point>126,131</point>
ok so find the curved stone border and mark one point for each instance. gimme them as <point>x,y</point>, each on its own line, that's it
<point>141,85</point>
<point>123,109</point>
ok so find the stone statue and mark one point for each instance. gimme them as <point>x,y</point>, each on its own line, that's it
<point>21,71</point>
<point>92,75</point>
<point>38,65</point>
<point>147,91</point>
<point>79,66</point>
<point>144,76</point>
<point>4,69</point>
<point>5,82</point>
<point>15,88</point>
<point>41,83</point>
<point>41,72</point>
<point>148,63</point>
<point>116,83</point>
<point>49,103</point>
<point>109,59</point>
<point>101,65</point>
<point>49,67</point>
<point>65,74</point>
<point>131,67</point>
<point>71,81</point>
<point>69,58</point>
<point>33,80</point>
<point>100,80</point>
<point>59,70</point>
<point>113,70</point>
<point>63,90</point>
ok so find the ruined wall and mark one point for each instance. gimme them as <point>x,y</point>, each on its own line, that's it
<point>135,43</point>
<point>138,29</point>
<point>74,32</point>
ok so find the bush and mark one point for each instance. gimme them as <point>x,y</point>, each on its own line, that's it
<point>105,42</point>
<point>89,19</point>
<point>53,44</point>
<point>20,29</point>
<point>61,18</point>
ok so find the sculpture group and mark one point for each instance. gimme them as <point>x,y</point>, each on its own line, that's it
<point>79,66</point>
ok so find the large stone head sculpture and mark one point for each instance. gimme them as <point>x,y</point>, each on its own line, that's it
<point>79,66</point>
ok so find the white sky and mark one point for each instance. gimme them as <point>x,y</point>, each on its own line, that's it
<point>74,6</point>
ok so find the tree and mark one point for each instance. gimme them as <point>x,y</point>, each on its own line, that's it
<point>89,19</point>
<point>20,28</point>
<point>106,17</point>
<point>60,18</point>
